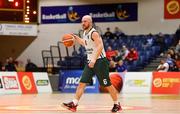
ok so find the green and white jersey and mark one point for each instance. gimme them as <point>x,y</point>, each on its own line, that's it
<point>90,45</point>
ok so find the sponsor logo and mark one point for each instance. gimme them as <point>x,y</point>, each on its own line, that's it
<point>173,7</point>
<point>54,17</point>
<point>137,83</point>
<point>157,82</point>
<point>102,15</point>
<point>26,82</point>
<point>42,82</point>
<point>72,15</point>
<point>165,82</point>
<point>75,80</point>
<point>10,82</point>
<point>72,80</point>
<point>1,86</point>
<point>121,14</point>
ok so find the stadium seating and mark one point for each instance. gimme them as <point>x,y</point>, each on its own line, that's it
<point>146,54</point>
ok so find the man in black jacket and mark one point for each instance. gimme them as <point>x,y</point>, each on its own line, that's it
<point>31,67</point>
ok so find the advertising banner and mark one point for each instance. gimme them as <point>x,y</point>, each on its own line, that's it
<point>100,13</point>
<point>69,80</point>
<point>18,29</point>
<point>172,9</point>
<point>137,82</point>
<point>10,83</point>
<point>166,83</point>
<point>26,81</point>
<point>42,82</point>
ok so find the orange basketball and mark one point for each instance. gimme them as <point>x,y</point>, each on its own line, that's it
<point>116,81</point>
<point>68,40</point>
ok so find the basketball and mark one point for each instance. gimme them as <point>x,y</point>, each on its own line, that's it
<point>116,81</point>
<point>68,40</point>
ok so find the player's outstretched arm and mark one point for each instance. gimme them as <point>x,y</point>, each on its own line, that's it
<point>79,40</point>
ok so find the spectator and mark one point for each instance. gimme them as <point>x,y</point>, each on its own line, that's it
<point>1,65</point>
<point>118,32</point>
<point>177,50</point>
<point>177,36</point>
<point>108,34</point>
<point>112,66</point>
<point>10,66</point>
<point>171,62</point>
<point>31,67</point>
<point>148,42</point>
<point>163,67</point>
<point>110,54</point>
<point>132,56</point>
<point>178,62</point>
<point>124,52</point>
<point>3,68</point>
<point>171,52</point>
<point>159,41</point>
<point>118,56</point>
<point>20,67</point>
<point>121,67</point>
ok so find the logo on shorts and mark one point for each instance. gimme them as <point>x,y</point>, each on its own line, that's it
<point>105,81</point>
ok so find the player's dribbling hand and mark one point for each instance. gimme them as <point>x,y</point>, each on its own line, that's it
<point>91,65</point>
<point>75,36</point>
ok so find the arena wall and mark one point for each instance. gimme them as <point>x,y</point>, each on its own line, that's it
<point>150,20</point>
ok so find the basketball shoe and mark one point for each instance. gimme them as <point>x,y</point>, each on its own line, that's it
<point>70,106</point>
<point>116,108</point>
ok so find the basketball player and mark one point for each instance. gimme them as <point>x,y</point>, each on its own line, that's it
<point>97,65</point>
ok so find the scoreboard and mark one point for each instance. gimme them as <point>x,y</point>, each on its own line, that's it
<point>19,11</point>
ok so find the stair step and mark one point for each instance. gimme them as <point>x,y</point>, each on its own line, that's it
<point>151,66</point>
<point>155,64</point>
<point>149,69</point>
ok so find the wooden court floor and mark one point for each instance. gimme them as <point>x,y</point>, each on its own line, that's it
<point>89,104</point>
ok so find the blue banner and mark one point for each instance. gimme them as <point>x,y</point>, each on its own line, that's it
<point>100,13</point>
<point>69,80</point>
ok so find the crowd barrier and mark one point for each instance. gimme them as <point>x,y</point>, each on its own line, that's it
<point>24,83</point>
<point>131,82</point>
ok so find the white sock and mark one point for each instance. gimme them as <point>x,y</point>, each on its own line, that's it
<point>115,102</point>
<point>75,101</point>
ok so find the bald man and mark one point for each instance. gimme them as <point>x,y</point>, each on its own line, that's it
<point>97,65</point>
